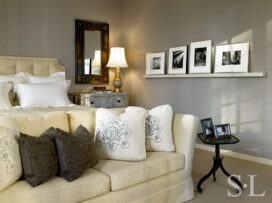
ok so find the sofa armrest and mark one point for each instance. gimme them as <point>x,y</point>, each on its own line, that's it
<point>184,136</point>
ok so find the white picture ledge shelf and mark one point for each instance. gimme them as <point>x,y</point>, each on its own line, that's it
<point>212,75</point>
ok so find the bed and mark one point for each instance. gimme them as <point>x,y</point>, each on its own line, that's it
<point>37,67</point>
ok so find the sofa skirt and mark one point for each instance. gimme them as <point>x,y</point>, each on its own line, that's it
<point>175,187</point>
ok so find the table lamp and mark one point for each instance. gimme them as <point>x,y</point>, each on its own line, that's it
<point>118,60</point>
<point>96,64</point>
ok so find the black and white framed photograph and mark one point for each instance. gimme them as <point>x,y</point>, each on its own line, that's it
<point>177,62</point>
<point>232,58</point>
<point>200,57</point>
<point>207,127</point>
<point>155,63</point>
<point>222,130</point>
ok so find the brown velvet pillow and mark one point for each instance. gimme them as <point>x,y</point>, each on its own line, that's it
<point>39,159</point>
<point>75,153</point>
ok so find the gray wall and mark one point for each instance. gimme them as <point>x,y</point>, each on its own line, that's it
<point>45,28</point>
<point>156,25</point>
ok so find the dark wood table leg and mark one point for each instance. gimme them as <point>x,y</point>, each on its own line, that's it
<point>232,178</point>
<point>214,176</point>
<point>205,178</point>
<point>217,163</point>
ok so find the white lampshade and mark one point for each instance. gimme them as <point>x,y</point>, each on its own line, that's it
<point>117,58</point>
<point>97,59</point>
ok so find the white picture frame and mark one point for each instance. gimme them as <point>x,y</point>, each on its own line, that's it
<point>155,63</point>
<point>232,58</point>
<point>177,63</point>
<point>200,57</point>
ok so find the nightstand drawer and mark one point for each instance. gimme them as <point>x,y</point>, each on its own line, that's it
<point>106,100</point>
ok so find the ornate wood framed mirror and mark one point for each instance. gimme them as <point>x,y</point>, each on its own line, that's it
<point>91,52</point>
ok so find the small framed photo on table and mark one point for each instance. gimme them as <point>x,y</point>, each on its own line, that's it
<point>207,126</point>
<point>200,57</point>
<point>177,60</point>
<point>155,63</point>
<point>232,58</point>
<point>222,130</point>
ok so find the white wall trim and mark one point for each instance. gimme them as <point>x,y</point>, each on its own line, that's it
<point>236,154</point>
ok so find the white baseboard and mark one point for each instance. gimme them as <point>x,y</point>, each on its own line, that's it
<point>236,154</point>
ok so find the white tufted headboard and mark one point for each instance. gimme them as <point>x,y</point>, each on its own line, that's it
<point>36,66</point>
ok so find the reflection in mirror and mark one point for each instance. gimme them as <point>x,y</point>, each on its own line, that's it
<point>92,51</point>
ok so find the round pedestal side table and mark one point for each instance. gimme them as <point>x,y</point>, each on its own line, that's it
<point>217,159</point>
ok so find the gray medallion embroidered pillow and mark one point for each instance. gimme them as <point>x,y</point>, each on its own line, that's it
<point>10,162</point>
<point>158,128</point>
<point>39,159</point>
<point>120,137</point>
<point>74,153</point>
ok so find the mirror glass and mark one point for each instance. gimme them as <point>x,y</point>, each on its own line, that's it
<point>92,52</point>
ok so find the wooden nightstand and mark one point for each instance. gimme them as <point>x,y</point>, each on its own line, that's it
<point>99,99</point>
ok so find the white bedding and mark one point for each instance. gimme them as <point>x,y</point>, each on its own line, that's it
<point>17,111</point>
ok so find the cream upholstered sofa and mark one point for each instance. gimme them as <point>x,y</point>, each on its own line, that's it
<point>162,177</point>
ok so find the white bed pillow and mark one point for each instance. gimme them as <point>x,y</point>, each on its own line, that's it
<point>5,88</point>
<point>15,79</point>
<point>120,137</point>
<point>10,161</point>
<point>42,95</point>
<point>158,128</point>
<point>55,77</point>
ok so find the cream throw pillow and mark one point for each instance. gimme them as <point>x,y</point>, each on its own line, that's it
<point>158,128</point>
<point>10,162</point>
<point>5,88</point>
<point>120,137</point>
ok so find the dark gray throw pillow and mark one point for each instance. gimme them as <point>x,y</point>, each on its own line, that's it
<point>89,147</point>
<point>50,134</point>
<point>39,159</point>
<point>74,153</point>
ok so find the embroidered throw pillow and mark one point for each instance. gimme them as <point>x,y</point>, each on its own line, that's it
<point>10,162</point>
<point>158,128</point>
<point>120,137</point>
